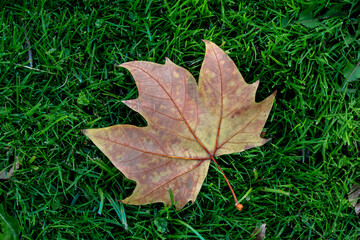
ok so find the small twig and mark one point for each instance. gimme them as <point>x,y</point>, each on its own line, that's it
<point>35,69</point>
<point>67,77</point>
<point>28,45</point>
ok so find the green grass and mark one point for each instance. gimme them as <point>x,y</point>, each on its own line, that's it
<point>66,188</point>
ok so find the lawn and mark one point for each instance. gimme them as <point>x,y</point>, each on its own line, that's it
<point>65,187</point>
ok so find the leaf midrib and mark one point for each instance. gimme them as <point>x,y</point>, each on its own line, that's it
<point>177,108</point>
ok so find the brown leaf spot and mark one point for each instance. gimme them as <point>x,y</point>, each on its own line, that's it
<point>175,141</point>
<point>190,184</point>
<point>237,112</point>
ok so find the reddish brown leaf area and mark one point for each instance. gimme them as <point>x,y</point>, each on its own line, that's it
<point>188,125</point>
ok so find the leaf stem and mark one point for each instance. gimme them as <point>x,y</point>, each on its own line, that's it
<point>239,206</point>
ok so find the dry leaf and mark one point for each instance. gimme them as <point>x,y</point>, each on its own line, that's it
<point>188,126</point>
<point>8,174</point>
<point>353,196</point>
<point>357,208</point>
<point>260,233</point>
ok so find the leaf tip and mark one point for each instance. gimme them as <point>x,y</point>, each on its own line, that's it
<point>167,61</point>
<point>124,65</point>
<point>207,42</point>
<point>267,140</point>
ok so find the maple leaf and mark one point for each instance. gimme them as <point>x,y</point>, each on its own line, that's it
<point>188,126</point>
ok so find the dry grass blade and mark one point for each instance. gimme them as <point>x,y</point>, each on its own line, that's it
<point>28,45</point>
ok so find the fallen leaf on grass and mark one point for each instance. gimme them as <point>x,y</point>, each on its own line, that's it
<point>189,124</point>
<point>8,174</point>
<point>353,197</point>
<point>259,233</point>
